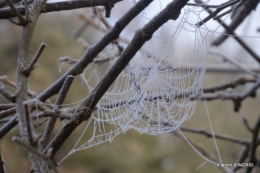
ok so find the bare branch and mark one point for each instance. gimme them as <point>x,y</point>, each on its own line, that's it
<point>202,150</point>
<point>239,81</point>
<point>7,94</point>
<point>218,10</point>
<point>254,145</point>
<point>32,64</point>
<point>85,109</point>
<point>3,2</point>
<point>238,17</point>
<point>102,18</point>
<point>94,50</point>
<point>245,122</point>
<point>6,13</point>
<point>8,126</point>
<point>243,156</point>
<point>2,167</point>
<point>7,112</point>
<point>236,37</point>
<point>217,136</point>
<point>28,125</point>
<point>22,21</point>
<point>45,158</point>
<point>51,123</point>
<point>233,61</point>
<point>7,106</point>
<point>236,98</point>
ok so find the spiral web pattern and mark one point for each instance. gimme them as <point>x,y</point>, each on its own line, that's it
<point>152,93</point>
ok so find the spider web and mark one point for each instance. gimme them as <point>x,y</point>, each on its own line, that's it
<point>152,94</point>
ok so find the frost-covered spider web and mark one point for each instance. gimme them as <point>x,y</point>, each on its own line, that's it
<point>152,94</point>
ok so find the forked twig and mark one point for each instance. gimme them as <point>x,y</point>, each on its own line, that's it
<point>22,21</point>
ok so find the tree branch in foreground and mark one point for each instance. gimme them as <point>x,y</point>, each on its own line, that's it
<point>172,11</point>
<point>87,58</point>
<point>6,13</point>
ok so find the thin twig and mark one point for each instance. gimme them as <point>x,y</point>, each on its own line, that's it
<point>242,157</point>
<point>236,98</point>
<point>52,120</point>
<point>46,159</point>
<point>101,28</point>
<point>7,94</point>
<point>8,126</point>
<point>218,10</point>
<point>7,81</point>
<point>253,146</point>
<point>102,17</point>
<point>77,32</point>
<point>28,125</point>
<point>94,50</point>
<point>7,13</point>
<point>237,38</point>
<point>7,112</point>
<point>238,17</point>
<point>31,66</point>
<point>233,84</point>
<point>217,136</point>
<point>233,61</point>
<point>22,21</point>
<point>229,11</point>
<point>92,22</point>
<point>7,106</point>
<point>61,115</point>
<point>245,122</point>
<point>3,2</point>
<point>202,150</point>
<point>2,167</point>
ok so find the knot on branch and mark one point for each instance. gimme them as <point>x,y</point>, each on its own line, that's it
<point>145,36</point>
<point>84,113</point>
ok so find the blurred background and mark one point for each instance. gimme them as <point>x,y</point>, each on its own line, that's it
<point>130,152</point>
